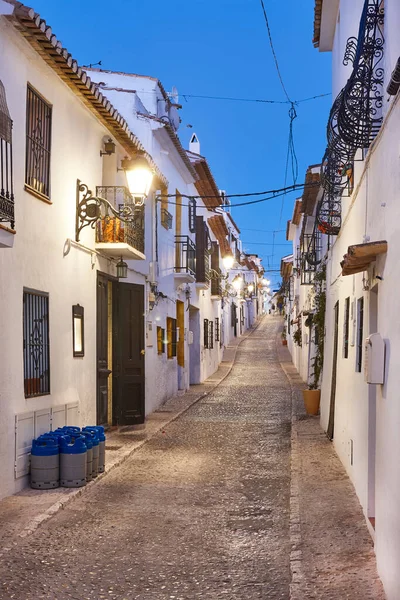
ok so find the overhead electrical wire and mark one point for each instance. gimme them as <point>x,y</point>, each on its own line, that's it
<point>257,100</point>
<point>274,53</point>
<point>290,188</point>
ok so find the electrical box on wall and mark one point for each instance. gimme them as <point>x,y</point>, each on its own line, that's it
<point>149,333</point>
<point>190,337</point>
<point>374,368</point>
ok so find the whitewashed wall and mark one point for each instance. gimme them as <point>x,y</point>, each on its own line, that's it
<point>367,418</point>
<point>36,261</point>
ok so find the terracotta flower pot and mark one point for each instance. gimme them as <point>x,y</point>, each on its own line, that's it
<point>311,401</point>
<point>284,342</point>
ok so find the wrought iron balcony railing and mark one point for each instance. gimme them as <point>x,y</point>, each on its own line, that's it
<point>310,256</point>
<point>185,255</point>
<point>113,230</point>
<point>166,219</point>
<point>6,163</point>
<point>356,115</point>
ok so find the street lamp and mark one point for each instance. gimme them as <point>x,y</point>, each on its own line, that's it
<point>91,208</point>
<point>228,261</point>
<point>250,288</point>
<point>237,282</point>
<point>122,269</point>
<point>139,176</point>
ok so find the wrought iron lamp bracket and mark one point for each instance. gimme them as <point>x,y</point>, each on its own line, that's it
<point>90,209</point>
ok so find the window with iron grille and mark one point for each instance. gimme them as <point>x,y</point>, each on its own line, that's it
<point>36,346</point>
<point>38,143</point>
<point>360,333</point>
<point>346,328</point>
<point>205,334</point>
<point>211,334</point>
<point>171,337</point>
<point>192,215</point>
<point>217,331</point>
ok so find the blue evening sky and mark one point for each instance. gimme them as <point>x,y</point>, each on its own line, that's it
<point>219,48</point>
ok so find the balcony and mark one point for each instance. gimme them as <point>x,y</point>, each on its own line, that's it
<point>185,260</point>
<point>117,238</point>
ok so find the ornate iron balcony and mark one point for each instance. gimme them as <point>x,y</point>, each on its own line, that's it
<point>111,229</point>
<point>310,256</point>
<point>356,115</point>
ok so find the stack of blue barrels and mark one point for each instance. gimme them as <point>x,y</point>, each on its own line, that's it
<point>68,456</point>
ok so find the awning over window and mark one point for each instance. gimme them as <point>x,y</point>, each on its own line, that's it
<point>360,256</point>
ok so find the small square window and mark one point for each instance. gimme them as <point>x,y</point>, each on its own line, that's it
<point>78,336</point>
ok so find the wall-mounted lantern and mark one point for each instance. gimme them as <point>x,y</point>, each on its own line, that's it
<point>78,331</point>
<point>228,261</point>
<point>122,269</point>
<point>139,176</point>
<point>109,148</point>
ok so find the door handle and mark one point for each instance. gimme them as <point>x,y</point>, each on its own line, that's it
<point>106,372</point>
<point>143,352</point>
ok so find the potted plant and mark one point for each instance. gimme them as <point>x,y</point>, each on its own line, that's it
<point>284,340</point>
<point>312,395</point>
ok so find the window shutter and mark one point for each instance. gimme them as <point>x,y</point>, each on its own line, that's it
<point>200,250</point>
<point>217,333</point>
<point>174,337</point>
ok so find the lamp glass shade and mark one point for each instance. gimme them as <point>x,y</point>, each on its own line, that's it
<point>139,177</point>
<point>122,269</point>
<point>250,288</point>
<point>237,282</point>
<point>228,261</point>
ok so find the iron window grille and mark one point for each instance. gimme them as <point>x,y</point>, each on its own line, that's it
<point>166,219</point>
<point>185,255</point>
<point>38,143</point>
<point>6,162</point>
<point>217,330</point>
<point>36,344</point>
<point>205,334</point>
<point>211,334</point>
<point>192,215</point>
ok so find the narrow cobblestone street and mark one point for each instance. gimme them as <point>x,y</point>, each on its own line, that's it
<point>201,511</point>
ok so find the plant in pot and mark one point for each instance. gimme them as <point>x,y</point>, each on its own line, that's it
<point>312,395</point>
<point>297,336</point>
<point>284,340</point>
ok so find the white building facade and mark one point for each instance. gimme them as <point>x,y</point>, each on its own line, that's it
<point>358,214</point>
<point>82,341</point>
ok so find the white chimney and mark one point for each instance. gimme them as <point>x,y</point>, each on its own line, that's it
<point>194,144</point>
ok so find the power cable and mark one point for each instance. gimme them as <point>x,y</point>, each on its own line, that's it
<point>257,100</point>
<point>290,188</point>
<point>274,53</point>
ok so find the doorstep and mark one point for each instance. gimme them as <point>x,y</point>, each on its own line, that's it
<point>22,513</point>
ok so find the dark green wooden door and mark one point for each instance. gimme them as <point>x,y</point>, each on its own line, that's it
<point>128,354</point>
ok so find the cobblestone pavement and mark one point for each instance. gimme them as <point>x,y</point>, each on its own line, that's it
<point>203,509</point>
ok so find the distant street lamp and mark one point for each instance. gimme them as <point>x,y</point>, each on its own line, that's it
<point>237,282</point>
